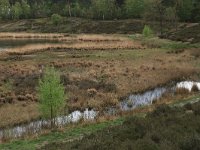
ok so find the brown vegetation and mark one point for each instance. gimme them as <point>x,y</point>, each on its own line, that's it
<point>29,49</point>
<point>20,112</point>
<point>70,42</point>
<point>94,75</point>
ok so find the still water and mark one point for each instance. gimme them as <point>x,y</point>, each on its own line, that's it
<point>6,44</point>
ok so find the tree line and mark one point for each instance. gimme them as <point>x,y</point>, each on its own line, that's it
<point>170,10</point>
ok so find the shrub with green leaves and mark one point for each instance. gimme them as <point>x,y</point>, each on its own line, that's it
<point>56,19</point>
<point>16,11</point>
<point>51,94</point>
<point>147,32</point>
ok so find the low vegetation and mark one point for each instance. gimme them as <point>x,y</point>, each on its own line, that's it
<point>155,130</point>
<point>56,19</point>
<point>96,70</point>
<point>71,133</point>
<point>147,32</point>
<point>99,52</point>
<point>165,128</point>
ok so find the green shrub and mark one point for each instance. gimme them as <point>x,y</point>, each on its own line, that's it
<point>147,32</point>
<point>16,11</point>
<point>56,19</point>
<point>51,94</point>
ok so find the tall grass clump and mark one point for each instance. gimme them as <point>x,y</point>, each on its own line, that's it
<point>147,31</point>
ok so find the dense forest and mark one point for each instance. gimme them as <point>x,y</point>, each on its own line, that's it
<point>170,10</point>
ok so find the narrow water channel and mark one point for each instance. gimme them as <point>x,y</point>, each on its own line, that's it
<point>130,103</point>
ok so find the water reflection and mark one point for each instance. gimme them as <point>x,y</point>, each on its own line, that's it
<point>37,126</point>
<point>5,44</point>
<point>146,98</point>
<point>132,102</point>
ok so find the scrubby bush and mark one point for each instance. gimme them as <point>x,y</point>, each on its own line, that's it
<point>56,19</point>
<point>147,32</point>
<point>16,11</point>
<point>4,9</point>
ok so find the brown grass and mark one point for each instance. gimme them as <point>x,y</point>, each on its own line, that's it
<point>8,35</point>
<point>11,114</point>
<point>94,75</point>
<point>29,49</point>
<point>195,88</point>
<point>195,52</point>
<point>182,91</point>
<point>77,42</point>
<point>63,37</point>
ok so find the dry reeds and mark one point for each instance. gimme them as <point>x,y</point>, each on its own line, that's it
<point>12,114</point>
<point>77,42</point>
<point>182,91</point>
<point>63,37</point>
<point>195,88</point>
<point>28,49</point>
<point>9,35</point>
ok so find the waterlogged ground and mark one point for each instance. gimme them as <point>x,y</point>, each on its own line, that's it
<point>165,128</point>
<point>131,103</point>
<point>68,137</point>
<point>98,71</point>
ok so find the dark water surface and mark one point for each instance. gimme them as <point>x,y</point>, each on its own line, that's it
<point>12,43</point>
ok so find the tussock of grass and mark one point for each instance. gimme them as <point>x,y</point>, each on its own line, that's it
<point>12,114</point>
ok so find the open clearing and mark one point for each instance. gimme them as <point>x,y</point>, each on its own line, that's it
<point>97,71</point>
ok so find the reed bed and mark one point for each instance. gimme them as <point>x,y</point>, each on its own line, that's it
<point>33,48</point>
<point>9,35</point>
<point>63,37</point>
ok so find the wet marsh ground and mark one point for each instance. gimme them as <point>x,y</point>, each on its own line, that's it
<point>97,71</point>
<point>76,133</point>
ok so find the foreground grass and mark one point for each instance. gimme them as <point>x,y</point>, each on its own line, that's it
<point>67,134</point>
<point>166,128</point>
<point>77,132</point>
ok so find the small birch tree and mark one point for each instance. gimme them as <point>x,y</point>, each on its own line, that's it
<point>51,94</point>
